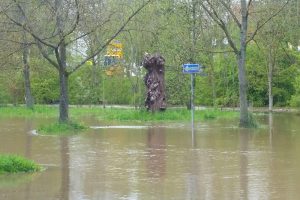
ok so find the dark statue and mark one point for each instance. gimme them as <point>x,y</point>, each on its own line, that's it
<point>155,82</point>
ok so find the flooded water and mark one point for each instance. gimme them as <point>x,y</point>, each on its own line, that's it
<point>157,161</point>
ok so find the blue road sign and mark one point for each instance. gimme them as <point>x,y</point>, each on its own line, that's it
<point>191,68</point>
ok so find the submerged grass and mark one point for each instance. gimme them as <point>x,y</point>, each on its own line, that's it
<point>57,128</point>
<point>15,164</point>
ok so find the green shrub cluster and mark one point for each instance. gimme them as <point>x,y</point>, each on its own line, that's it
<point>15,164</point>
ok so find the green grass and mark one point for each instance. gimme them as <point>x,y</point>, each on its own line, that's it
<point>112,114</point>
<point>168,115</point>
<point>57,128</point>
<point>22,111</point>
<point>16,164</point>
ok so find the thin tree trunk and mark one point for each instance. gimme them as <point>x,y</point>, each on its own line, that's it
<point>270,77</point>
<point>29,101</point>
<point>26,72</point>
<point>244,118</point>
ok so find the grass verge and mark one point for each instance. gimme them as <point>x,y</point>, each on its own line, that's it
<point>110,114</point>
<point>21,111</point>
<point>16,164</point>
<point>168,115</point>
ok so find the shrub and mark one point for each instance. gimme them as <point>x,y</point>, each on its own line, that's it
<point>15,164</point>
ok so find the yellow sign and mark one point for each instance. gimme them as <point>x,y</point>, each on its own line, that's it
<point>115,49</point>
<point>89,62</point>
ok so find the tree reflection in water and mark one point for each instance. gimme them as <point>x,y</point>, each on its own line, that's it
<point>156,159</point>
<point>65,168</point>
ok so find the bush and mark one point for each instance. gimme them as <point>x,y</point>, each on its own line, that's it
<point>15,164</point>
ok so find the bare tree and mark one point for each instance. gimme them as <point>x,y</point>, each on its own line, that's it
<point>54,26</point>
<point>239,13</point>
<point>17,42</point>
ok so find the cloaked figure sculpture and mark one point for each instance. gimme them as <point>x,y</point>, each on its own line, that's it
<point>155,82</point>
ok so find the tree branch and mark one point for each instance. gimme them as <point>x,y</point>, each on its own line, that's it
<point>29,28</point>
<point>258,27</point>
<point>75,24</point>
<point>248,7</point>
<point>221,24</point>
<point>111,38</point>
<point>232,14</point>
<point>46,56</point>
<point>87,33</point>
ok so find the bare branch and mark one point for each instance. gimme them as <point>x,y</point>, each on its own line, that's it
<point>111,38</point>
<point>215,52</point>
<point>221,24</point>
<point>248,6</point>
<point>258,27</point>
<point>232,14</point>
<point>75,24</point>
<point>9,55</point>
<point>25,27</point>
<point>89,32</point>
<point>17,42</point>
<point>45,55</point>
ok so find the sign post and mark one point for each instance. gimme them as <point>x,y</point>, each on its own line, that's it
<point>192,69</point>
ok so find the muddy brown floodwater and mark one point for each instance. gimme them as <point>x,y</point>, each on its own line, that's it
<point>157,161</point>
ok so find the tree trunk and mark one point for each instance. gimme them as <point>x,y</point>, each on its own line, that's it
<point>155,82</point>
<point>244,118</point>
<point>270,77</point>
<point>63,83</point>
<point>64,97</point>
<point>61,57</point>
<point>29,101</point>
<point>26,72</point>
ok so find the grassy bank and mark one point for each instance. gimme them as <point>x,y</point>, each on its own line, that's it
<point>116,114</point>
<point>15,164</point>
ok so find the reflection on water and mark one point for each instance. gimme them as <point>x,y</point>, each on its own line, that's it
<point>156,152</point>
<point>218,161</point>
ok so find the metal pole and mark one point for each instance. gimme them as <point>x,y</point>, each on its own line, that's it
<point>192,98</point>
<point>103,94</point>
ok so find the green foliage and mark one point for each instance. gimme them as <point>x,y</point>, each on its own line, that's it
<point>295,99</point>
<point>4,96</point>
<point>118,90</point>
<point>177,87</point>
<point>169,31</point>
<point>58,128</point>
<point>44,82</point>
<point>85,85</point>
<point>257,77</point>
<point>226,80</point>
<point>15,164</point>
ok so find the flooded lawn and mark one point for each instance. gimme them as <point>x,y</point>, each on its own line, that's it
<point>157,161</point>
